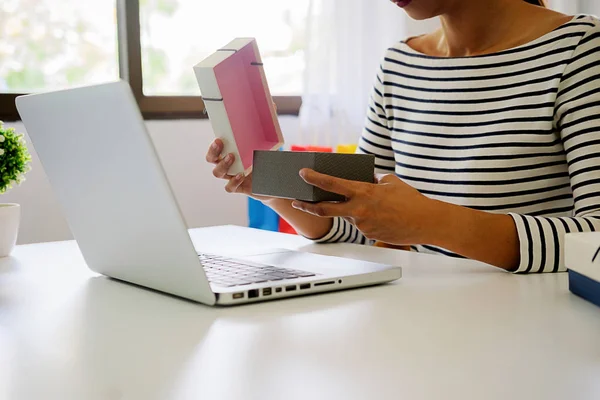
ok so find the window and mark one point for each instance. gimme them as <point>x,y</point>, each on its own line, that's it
<point>177,34</point>
<point>54,44</point>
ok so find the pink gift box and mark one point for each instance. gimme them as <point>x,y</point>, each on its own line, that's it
<point>238,101</point>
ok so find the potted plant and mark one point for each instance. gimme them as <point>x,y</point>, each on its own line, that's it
<point>14,164</point>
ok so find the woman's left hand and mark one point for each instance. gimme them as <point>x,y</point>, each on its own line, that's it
<point>389,211</point>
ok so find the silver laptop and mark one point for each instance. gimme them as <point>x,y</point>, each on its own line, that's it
<point>105,172</point>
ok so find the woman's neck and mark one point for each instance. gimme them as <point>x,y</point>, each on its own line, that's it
<point>472,27</point>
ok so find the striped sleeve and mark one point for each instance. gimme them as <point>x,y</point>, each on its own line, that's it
<point>577,118</point>
<point>375,140</point>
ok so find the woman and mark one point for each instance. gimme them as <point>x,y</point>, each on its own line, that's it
<point>489,132</point>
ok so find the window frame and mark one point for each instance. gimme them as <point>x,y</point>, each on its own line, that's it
<point>130,69</point>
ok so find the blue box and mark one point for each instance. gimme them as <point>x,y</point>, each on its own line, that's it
<point>584,287</point>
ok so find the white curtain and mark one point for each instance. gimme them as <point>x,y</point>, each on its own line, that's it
<point>346,42</point>
<point>565,6</point>
<point>576,6</point>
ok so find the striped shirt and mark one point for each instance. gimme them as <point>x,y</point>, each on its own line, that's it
<point>514,132</point>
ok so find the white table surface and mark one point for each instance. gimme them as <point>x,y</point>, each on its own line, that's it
<point>450,329</point>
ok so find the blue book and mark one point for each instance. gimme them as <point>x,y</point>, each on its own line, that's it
<point>584,287</point>
<point>582,258</point>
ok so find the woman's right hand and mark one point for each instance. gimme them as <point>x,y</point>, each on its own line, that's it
<point>305,224</point>
<point>235,184</point>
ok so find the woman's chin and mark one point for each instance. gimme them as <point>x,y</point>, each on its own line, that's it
<point>419,16</point>
<point>418,9</point>
<point>402,3</point>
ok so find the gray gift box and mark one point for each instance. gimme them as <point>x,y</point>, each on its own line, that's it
<point>276,173</point>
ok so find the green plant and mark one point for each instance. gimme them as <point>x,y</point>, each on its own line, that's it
<point>14,158</point>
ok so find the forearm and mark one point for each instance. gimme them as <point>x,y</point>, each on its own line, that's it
<point>482,236</point>
<point>307,225</point>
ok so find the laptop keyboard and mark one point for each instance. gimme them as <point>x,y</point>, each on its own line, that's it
<point>227,272</point>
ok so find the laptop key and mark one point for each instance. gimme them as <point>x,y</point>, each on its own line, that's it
<point>233,264</point>
<point>296,272</point>
<point>252,279</point>
<point>284,275</point>
<point>259,276</point>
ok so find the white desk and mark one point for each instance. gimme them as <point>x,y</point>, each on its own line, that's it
<point>448,330</point>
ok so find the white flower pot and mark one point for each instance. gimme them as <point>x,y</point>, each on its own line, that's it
<point>10,216</point>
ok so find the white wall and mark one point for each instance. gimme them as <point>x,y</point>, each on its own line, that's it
<point>181,146</point>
